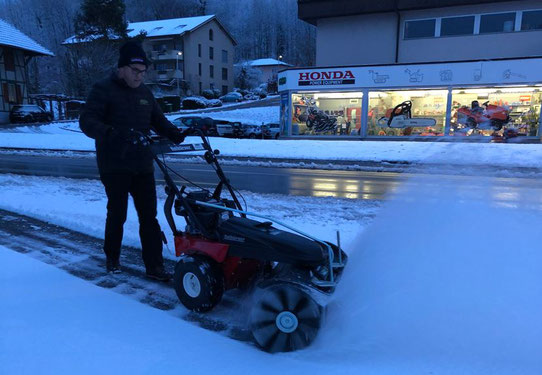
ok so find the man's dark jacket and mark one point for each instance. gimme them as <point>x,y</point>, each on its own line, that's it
<point>112,104</point>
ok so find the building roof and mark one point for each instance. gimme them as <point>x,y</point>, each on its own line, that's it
<point>158,28</point>
<point>266,62</point>
<point>10,36</point>
<point>312,10</point>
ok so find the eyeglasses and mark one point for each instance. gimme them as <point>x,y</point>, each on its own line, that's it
<point>137,71</point>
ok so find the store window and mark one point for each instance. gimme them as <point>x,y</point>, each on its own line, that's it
<point>420,29</point>
<point>326,113</point>
<point>497,23</point>
<point>492,111</point>
<point>406,113</point>
<point>457,26</point>
<point>531,20</point>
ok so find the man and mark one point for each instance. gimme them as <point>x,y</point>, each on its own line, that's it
<point>120,111</point>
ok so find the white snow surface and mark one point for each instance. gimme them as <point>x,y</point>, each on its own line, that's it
<point>441,284</point>
<point>436,284</point>
<point>80,205</point>
<point>67,136</point>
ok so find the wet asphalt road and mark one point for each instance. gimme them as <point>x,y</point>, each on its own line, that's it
<point>297,181</point>
<point>292,181</point>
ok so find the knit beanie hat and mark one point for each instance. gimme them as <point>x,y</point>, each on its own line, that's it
<point>132,53</point>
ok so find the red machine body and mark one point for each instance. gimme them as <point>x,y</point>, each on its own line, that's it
<point>238,272</point>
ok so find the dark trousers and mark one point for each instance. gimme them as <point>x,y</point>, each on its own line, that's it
<point>142,188</point>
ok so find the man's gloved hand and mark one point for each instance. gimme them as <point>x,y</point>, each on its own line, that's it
<point>137,138</point>
<point>178,136</point>
<point>129,136</point>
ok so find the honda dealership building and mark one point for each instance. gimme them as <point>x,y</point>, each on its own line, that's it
<point>395,69</point>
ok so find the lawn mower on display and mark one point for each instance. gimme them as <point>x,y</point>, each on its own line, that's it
<point>401,117</point>
<point>291,274</point>
<point>486,117</point>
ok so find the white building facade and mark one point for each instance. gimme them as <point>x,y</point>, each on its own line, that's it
<point>443,58</point>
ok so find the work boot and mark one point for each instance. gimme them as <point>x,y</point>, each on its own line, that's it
<point>159,274</point>
<point>113,266</point>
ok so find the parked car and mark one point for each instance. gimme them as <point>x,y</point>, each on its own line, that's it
<point>271,130</point>
<point>248,131</point>
<point>251,96</point>
<point>232,97</point>
<point>205,124</point>
<point>214,103</point>
<point>194,102</point>
<point>224,128</point>
<point>29,113</point>
<point>178,122</point>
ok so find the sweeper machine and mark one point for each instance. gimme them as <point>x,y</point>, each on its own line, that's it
<point>291,274</point>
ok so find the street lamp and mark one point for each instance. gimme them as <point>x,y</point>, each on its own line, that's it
<point>177,73</point>
<point>280,57</point>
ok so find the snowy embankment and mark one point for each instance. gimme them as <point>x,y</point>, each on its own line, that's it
<point>436,284</point>
<point>66,136</point>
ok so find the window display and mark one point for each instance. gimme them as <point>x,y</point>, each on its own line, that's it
<point>315,113</point>
<point>405,113</point>
<point>493,111</point>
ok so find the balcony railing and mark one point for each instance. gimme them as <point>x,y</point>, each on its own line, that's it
<point>166,75</point>
<point>167,55</point>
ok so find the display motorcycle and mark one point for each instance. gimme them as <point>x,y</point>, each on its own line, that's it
<point>401,117</point>
<point>487,117</point>
<point>318,121</point>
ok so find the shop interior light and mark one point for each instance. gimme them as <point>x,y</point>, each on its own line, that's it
<point>338,95</point>
<point>408,93</point>
<point>495,90</point>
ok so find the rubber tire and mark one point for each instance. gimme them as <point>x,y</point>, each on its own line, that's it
<point>471,123</point>
<point>271,302</point>
<point>497,125</point>
<point>252,136</point>
<point>210,278</point>
<point>277,136</point>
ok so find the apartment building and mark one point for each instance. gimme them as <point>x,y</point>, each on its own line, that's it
<point>16,49</point>
<point>188,54</point>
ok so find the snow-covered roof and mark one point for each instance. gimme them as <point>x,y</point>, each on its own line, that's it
<point>174,26</point>
<point>268,61</point>
<point>10,36</point>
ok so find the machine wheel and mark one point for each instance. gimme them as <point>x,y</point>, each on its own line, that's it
<point>252,136</point>
<point>496,124</point>
<point>277,136</point>
<point>199,282</point>
<point>284,318</point>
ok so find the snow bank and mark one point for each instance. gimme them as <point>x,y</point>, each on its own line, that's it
<point>442,284</point>
<point>65,325</point>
